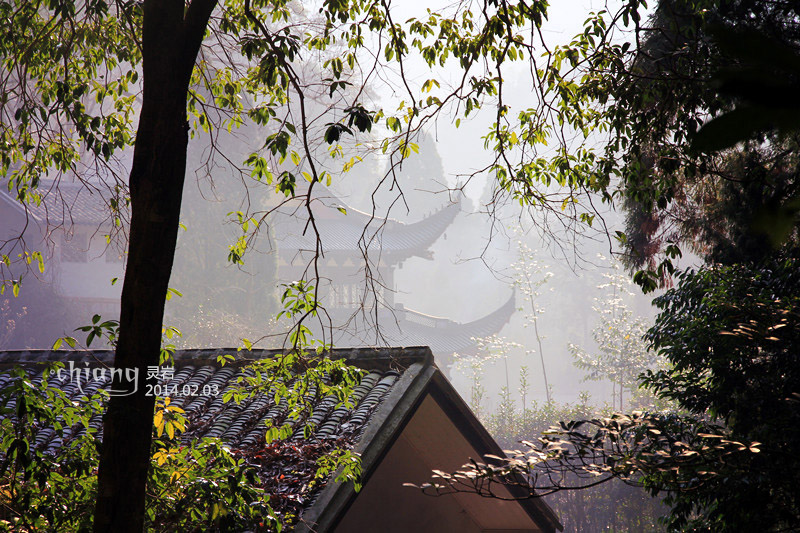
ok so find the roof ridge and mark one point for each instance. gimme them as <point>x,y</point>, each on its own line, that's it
<point>378,358</point>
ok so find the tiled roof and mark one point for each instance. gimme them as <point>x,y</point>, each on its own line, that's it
<point>68,202</point>
<point>204,381</point>
<point>240,426</point>
<point>243,425</point>
<point>410,328</point>
<point>397,380</point>
<point>357,231</point>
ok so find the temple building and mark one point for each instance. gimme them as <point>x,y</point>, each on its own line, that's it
<point>70,228</point>
<point>359,257</point>
<point>359,254</point>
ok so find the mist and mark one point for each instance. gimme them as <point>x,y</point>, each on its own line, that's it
<point>471,269</point>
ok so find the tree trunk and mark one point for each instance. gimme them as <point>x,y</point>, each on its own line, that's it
<point>171,38</point>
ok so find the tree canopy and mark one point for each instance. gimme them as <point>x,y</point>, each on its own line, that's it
<point>729,333</point>
<point>698,168</point>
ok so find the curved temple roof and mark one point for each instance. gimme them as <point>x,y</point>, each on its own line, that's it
<point>357,231</point>
<point>406,327</point>
<point>387,242</point>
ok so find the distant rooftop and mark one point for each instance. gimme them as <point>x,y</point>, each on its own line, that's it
<point>65,201</point>
<point>444,336</point>
<point>356,230</point>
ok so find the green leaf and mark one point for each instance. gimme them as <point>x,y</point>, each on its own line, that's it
<point>171,291</point>
<point>777,223</point>
<point>742,124</point>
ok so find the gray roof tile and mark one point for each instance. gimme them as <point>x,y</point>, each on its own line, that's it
<point>285,468</point>
<point>238,425</point>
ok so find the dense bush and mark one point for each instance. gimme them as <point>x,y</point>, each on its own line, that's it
<point>731,335</point>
